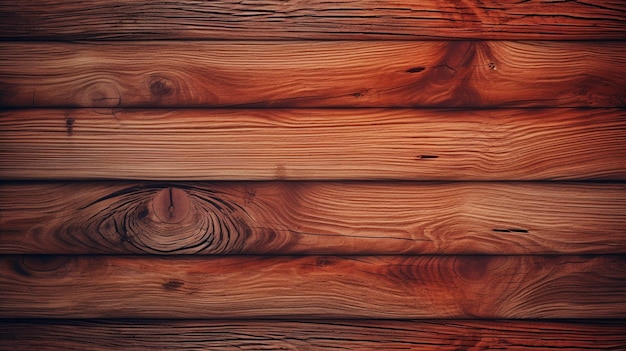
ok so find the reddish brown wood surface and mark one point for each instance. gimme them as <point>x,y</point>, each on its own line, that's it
<point>303,144</point>
<point>388,287</point>
<point>313,74</point>
<point>313,19</point>
<point>231,335</point>
<point>456,265</point>
<point>312,218</point>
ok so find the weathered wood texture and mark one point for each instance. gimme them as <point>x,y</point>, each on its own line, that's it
<point>312,218</point>
<point>392,287</point>
<point>313,19</point>
<point>313,74</point>
<point>301,144</point>
<point>232,335</point>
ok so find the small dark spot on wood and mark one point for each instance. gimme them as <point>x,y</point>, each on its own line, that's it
<point>415,69</point>
<point>172,285</point>
<point>160,87</point>
<point>357,95</point>
<point>492,65</point>
<point>69,124</point>
<point>323,262</point>
<point>422,157</point>
<point>143,212</point>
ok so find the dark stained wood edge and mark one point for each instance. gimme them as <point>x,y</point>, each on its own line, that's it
<point>230,335</point>
<point>424,19</point>
<point>314,287</point>
<point>312,218</point>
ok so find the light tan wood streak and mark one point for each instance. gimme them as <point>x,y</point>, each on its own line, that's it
<point>302,144</point>
<point>235,335</point>
<point>313,218</point>
<point>313,74</point>
<point>387,287</point>
<point>313,19</point>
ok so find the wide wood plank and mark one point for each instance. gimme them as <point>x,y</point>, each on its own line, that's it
<point>313,19</point>
<point>312,218</point>
<point>313,144</point>
<point>313,74</point>
<point>389,287</point>
<point>235,335</point>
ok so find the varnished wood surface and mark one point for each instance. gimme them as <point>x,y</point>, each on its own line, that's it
<point>367,19</point>
<point>304,144</point>
<point>241,287</point>
<point>312,218</point>
<point>232,335</point>
<point>313,74</point>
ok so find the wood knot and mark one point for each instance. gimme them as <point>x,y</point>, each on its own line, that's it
<point>171,219</point>
<point>40,264</point>
<point>172,285</point>
<point>161,86</point>
<point>171,205</point>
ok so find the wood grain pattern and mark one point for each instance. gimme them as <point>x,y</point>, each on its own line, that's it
<point>312,218</point>
<point>232,335</point>
<point>313,19</point>
<point>387,287</point>
<point>313,144</point>
<point>313,74</point>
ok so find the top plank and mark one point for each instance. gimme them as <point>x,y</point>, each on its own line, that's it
<point>316,19</point>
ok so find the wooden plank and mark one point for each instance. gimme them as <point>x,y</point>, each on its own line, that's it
<point>309,335</point>
<point>284,287</point>
<point>313,74</point>
<point>316,19</point>
<point>312,218</point>
<point>302,144</point>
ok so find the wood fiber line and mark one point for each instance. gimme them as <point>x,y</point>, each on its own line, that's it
<point>312,218</point>
<point>313,19</point>
<point>303,144</point>
<point>313,74</point>
<point>378,287</point>
<point>232,335</point>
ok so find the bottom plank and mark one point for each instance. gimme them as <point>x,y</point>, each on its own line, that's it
<point>314,287</point>
<point>309,335</point>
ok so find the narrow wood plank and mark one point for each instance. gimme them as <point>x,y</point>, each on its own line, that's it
<point>313,19</point>
<point>312,218</point>
<point>313,74</point>
<point>387,287</point>
<point>304,144</point>
<point>310,335</point>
